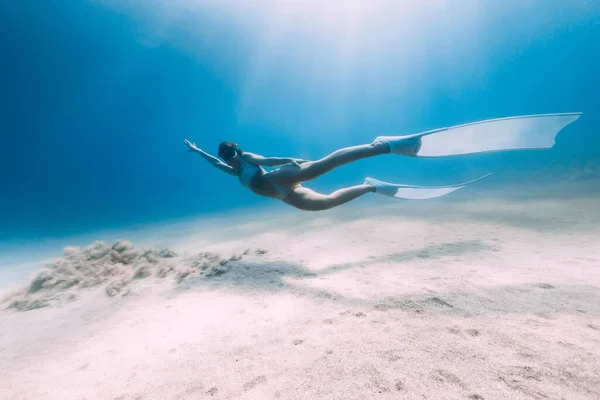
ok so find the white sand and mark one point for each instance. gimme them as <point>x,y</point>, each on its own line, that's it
<point>485,300</point>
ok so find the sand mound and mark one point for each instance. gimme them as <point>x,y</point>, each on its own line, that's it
<point>115,268</point>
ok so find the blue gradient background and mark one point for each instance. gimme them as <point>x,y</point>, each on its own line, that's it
<point>94,113</point>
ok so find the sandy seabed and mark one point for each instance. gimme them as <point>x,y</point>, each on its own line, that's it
<point>488,299</point>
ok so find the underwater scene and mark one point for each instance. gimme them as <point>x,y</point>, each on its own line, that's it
<point>300,199</point>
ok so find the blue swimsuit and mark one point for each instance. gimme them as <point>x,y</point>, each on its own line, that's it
<point>248,171</point>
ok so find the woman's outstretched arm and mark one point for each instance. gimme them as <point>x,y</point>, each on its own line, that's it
<point>257,160</point>
<point>214,161</point>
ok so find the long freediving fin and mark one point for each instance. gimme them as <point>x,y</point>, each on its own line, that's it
<point>511,133</point>
<point>413,192</point>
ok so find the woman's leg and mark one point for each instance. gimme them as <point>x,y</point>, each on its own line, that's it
<point>291,175</point>
<point>309,200</point>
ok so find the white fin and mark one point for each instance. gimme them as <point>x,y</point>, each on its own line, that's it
<point>511,133</point>
<point>413,192</point>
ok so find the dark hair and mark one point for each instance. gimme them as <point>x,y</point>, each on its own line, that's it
<point>227,150</point>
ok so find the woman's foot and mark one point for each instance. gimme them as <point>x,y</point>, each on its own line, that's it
<point>407,146</point>
<point>384,188</point>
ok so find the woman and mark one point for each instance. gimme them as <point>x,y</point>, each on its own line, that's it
<point>511,133</point>
<point>284,183</point>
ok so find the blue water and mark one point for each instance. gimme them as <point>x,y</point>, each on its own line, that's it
<point>98,97</point>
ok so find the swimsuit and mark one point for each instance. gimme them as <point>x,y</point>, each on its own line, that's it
<point>248,171</point>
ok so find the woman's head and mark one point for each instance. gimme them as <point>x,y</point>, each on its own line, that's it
<point>228,150</point>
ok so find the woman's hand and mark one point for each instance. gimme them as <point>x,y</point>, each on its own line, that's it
<point>192,146</point>
<point>297,161</point>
